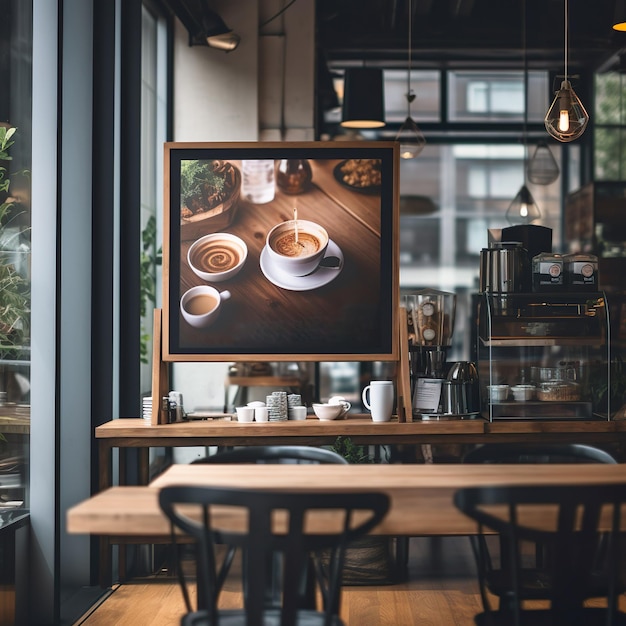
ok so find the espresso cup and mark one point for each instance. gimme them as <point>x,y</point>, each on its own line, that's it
<point>217,257</point>
<point>378,398</point>
<point>245,413</point>
<point>340,400</point>
<point>200,306</point>
<point>297,257</point>
<point>261,413</point>
<point>297,413</point>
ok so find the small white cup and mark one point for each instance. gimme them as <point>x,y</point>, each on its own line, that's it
<point>340,400</point>
<point>327,411</point>
<point>201,305</point>
<point>245,413</point>
<point>378,398</point>
<point>297,413</point>
<point>261,414</point>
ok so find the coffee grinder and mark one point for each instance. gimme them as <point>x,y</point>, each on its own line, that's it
<point>430,324</point>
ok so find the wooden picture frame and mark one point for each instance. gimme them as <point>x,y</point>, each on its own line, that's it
<point>217,195</point>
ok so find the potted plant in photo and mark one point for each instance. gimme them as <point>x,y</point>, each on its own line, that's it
<point>209,196</point>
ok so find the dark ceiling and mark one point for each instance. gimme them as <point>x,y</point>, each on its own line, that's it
<point>469,33</point>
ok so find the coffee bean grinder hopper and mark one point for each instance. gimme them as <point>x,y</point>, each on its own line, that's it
<point>430,322</point>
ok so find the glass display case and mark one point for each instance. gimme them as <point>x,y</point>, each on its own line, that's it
<point>543,356</point>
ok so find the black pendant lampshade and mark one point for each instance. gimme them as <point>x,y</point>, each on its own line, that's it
<point>363,98</point>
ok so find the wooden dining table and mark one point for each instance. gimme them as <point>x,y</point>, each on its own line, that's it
<point>421,495</point>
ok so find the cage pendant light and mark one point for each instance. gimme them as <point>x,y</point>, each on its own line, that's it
<point>542,169</point>
<point>523,209</point>
<point>410,137</point>
<point>566,118</point>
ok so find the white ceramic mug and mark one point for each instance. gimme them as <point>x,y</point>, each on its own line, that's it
<point>378,398</point>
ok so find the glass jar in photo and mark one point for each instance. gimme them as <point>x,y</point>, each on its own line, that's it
<point>259,180</point>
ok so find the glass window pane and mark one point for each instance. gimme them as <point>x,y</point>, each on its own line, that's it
<point>496,96</point>
<point>15,254</point>
<point>425,86</point>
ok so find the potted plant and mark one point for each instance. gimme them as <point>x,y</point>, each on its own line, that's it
<point>14,252</point>
<point>369,560</point>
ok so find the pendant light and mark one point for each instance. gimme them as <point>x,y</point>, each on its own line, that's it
<point>523,209</point>
<point>619,19</point>
<point>566,118</point>
<point>363,98</point>
<point>410,137</point>
<point>542,169</point>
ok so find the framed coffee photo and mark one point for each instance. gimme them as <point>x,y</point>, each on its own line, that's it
<point>280,251</point>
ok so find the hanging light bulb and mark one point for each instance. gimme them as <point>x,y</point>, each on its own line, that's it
<point>542,169</point>
<point>523,209</point>
<point>410,137</point>
<point>566,118</point>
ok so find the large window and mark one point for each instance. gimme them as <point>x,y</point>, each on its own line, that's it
<point>15,249</point>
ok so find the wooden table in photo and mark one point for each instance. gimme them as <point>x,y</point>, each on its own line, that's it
<point>262,313</point>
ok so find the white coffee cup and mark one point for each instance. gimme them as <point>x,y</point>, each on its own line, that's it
<point>340,400</point>
<point>261,413</point>
<point>378,398</point>
<point>297,413</point>
<point>245,413</point>
<point>312,239</point>
<point>200,306</point>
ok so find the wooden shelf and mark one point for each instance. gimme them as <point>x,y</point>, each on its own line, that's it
<point>264,381</point>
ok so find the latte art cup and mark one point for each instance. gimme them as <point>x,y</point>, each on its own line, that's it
<point>217,257</point>
<point>297,258</point>
<point>200,306</point>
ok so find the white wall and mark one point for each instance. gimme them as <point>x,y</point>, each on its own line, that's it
<point>262,90</point>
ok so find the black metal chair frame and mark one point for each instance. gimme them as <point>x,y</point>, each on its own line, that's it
<point>260,541</point>
<point>263,454</point>
<point>503,453</point>
<point>258,454</point>
<point>537,453</point>
<point>574,542</point>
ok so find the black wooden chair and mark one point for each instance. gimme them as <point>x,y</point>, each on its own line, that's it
<point>275,454</point>
<point>278,524</point>
<point>572,529</point>
<point>287,454</point>
<point>537,453</point>
<point>534,575</point>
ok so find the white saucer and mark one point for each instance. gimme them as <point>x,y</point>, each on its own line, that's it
<point>320,277</point>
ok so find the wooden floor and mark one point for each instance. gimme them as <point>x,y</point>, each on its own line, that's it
<point>441,591</point>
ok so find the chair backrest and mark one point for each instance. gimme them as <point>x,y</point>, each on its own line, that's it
<point>571,521</point>
<point>278,525</point>
<point>275,454</point>
<point>537,453</point>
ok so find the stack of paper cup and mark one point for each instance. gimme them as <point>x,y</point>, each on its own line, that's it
<point>146,409</point>
<point>277,406</point>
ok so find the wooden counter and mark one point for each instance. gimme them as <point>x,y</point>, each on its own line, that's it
<point>139,433</point>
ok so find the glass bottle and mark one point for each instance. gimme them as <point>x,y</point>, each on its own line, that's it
<point>293,175</point>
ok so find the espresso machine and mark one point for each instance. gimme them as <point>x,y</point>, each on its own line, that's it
<point>439,390</point>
